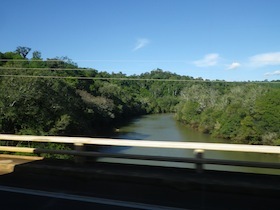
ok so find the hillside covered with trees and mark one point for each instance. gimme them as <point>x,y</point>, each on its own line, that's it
<point>56,97</point>
<point>242,113</point>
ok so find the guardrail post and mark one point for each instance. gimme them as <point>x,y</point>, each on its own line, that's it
<point>199,156</point>
<point>79,147</point>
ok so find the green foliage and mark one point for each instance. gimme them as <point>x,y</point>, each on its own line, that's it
<point>40,106</point>
<point>23,51</point>
<point>247,113</point>
<point>268,116</point>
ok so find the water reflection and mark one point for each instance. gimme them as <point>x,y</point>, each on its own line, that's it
<point>164,128</point>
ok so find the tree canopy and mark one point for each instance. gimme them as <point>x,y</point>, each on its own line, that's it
<point>56,97</point>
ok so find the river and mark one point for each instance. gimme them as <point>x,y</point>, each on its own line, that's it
<point>163,127</point>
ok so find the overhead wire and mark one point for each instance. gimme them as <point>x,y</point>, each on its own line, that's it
<point>96,60</point>
<point>84,77</point>
<point>101,78</point>
<point>132,79</point>
<point>128,78</point>
<point>47,69</point>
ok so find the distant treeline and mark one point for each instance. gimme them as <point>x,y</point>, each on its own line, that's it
<point>42,97</point>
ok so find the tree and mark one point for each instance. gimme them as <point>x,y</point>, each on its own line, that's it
<point>268,111</point>
<point>10,59</point>
<point>23,51</point>
<point>37,55</point>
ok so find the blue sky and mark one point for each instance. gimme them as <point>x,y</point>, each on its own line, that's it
<point>234,40</point>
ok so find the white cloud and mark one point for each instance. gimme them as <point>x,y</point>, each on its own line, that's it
<point>234,65</point>
<point>208,60</point>
<point>265,59</point>
<point>272,73</point>
<point>141,43</point>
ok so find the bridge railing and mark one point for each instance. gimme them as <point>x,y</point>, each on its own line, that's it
<point>198,148</point>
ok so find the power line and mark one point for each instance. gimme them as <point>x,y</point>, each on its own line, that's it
<point>47,69</point>
<point>108,78</point>
<point>26,60</point>
<point>99,78</point>
<point>130,79</point>
<point>98,60</point>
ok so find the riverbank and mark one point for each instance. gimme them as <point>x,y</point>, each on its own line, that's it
<point>163,127</point>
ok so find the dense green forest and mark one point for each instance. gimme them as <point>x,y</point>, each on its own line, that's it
<point>243,113</point>
<point>56,97</point>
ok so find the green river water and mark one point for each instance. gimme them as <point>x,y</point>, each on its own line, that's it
<point>163,127</point>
